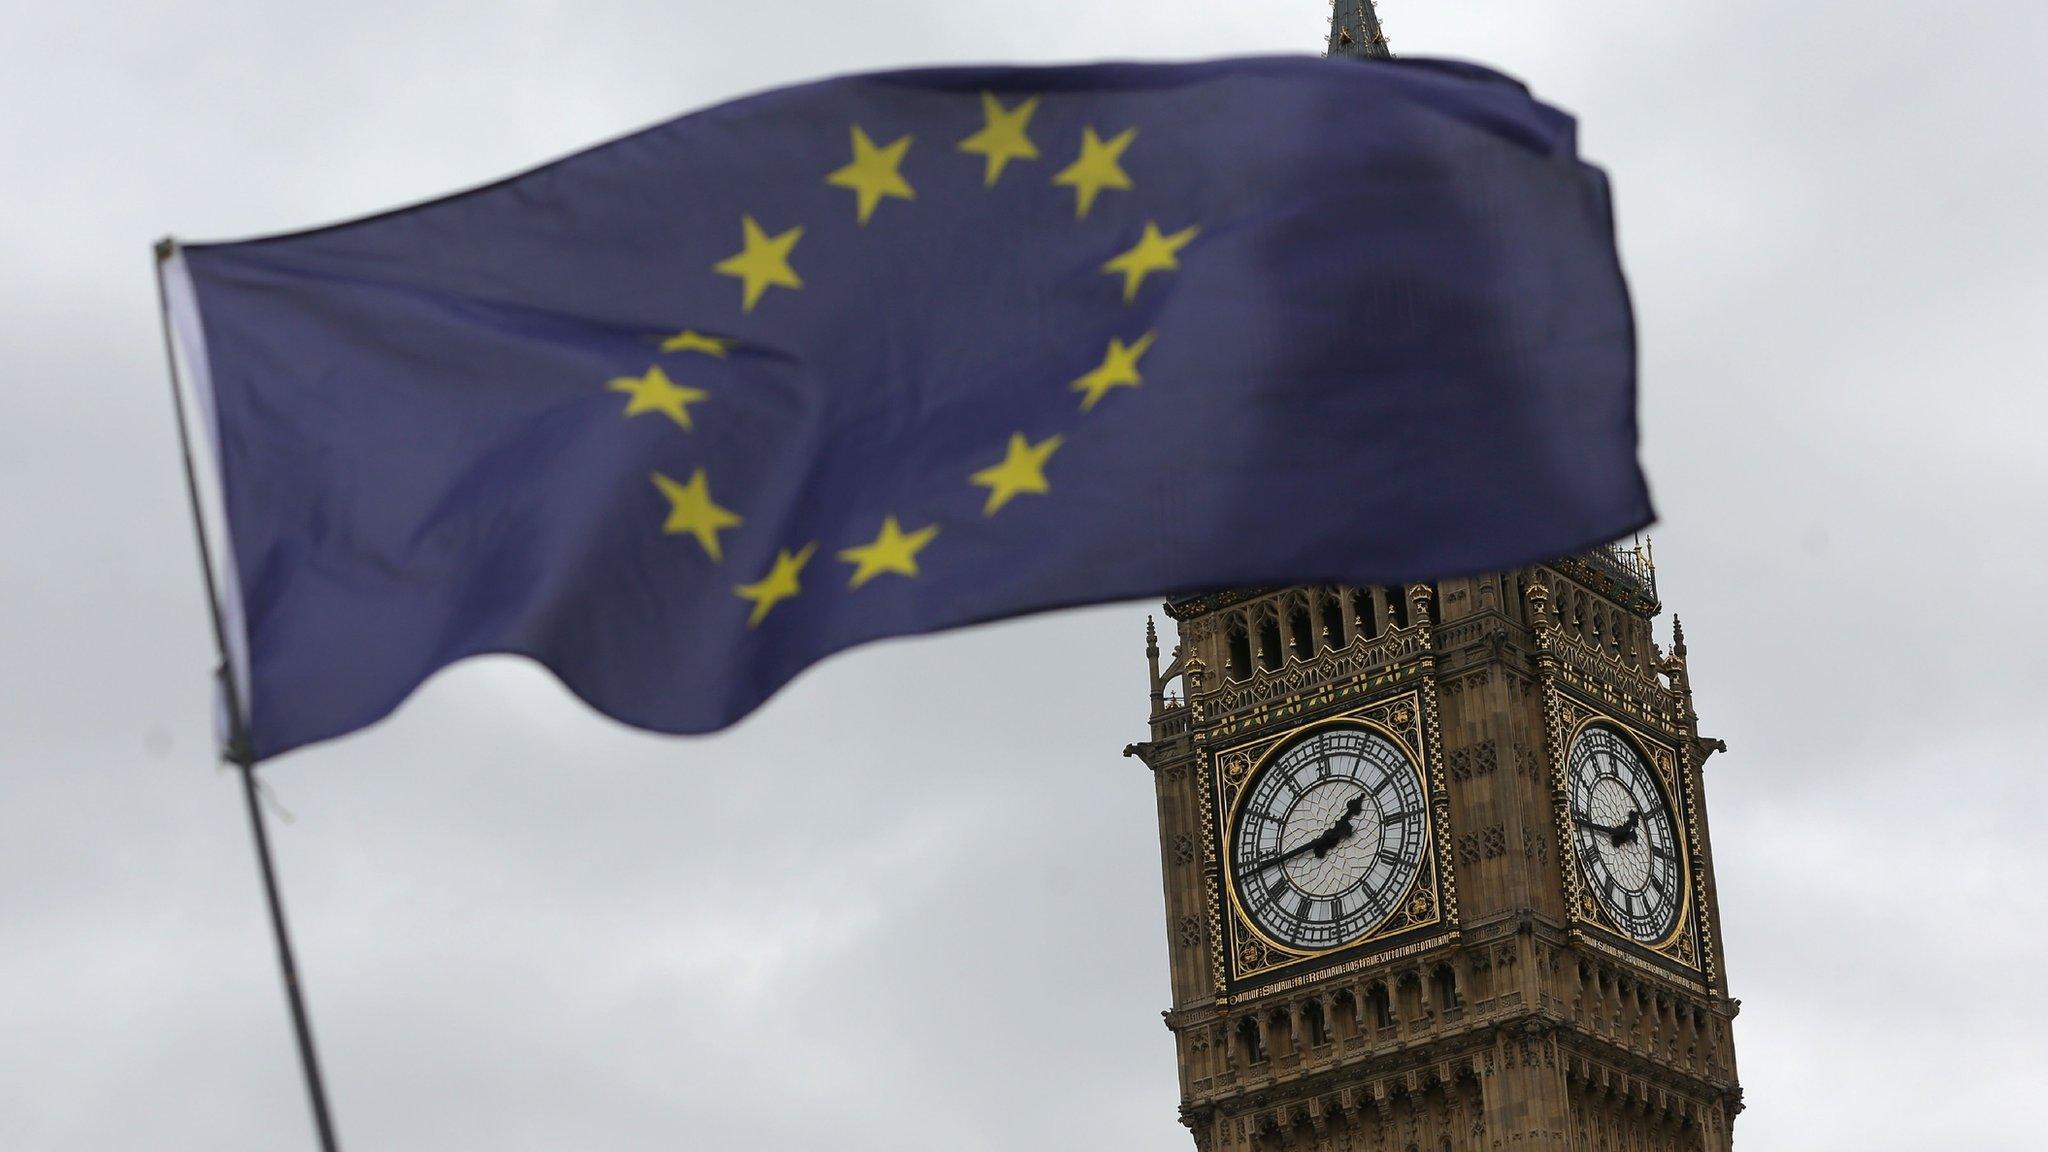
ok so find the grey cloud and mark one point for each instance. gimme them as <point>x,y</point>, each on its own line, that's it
<point>525,927</point>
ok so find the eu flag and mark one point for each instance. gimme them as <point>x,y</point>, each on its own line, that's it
<point>682,414</point>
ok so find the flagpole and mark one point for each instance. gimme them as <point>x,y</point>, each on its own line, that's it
<point>302,1024</point>
<point>238,751</point>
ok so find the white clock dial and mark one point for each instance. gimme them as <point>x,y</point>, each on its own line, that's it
<point>1627,840</point>
<point>1327,838</point>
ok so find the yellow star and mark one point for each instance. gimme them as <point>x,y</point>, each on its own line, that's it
<point>1119,368</point>
<point>1152,253</point>
<point>1096,169</point>
<point>778,585</point>
<point>691,340</point>
<point>655,392</point>
<point>762,262</point>
<point>873,173</point>
<point>892,551</point>
<point>691,510</point>
<point>1022,470</point>
<point>1002,137</point>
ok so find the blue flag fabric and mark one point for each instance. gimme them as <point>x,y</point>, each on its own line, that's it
<point>682,414</point>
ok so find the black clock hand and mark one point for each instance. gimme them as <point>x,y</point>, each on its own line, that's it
<point>1284,857</point>
<point>1594,825</point>
<point>1627,832</point>
<point>1342,830</point>
<point>1322,844</point>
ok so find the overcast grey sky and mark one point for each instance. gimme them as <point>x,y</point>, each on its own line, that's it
<point>524,927</point>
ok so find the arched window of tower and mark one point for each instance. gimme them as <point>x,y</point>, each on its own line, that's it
<point>1271,657</point>
<point>1382,1005</point>
<point>1318,1028</point>
<point>1249,1041</point>
<point>1447,996</point>
<point>1331,609</point>
<point>1364,614</point>
<point>1240,643</point>
<point>1300,631</point>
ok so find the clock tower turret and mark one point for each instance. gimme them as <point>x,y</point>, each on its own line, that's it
<point>1437,870</point>
<point>1355,29</point>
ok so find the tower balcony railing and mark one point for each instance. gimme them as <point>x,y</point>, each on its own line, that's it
<point>1629,566</point>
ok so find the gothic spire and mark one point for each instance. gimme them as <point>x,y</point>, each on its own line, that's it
<point>1355,30</point>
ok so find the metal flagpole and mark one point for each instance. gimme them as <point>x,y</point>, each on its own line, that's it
<point>302,1025</point>
<point>238,749</point>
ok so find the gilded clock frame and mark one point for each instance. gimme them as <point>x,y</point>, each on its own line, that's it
<point>1681,946</point>
<point>1428,905</point>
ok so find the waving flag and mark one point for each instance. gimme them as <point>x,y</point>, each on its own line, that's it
<point>683,414</point>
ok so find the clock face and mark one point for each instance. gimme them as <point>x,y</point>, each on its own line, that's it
<point>1626,838</point>
<point>1327,837</point>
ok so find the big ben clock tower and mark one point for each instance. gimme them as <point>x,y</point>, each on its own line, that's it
<point>1437,868</point>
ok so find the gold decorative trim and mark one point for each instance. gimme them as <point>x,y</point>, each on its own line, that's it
<point>1439,795</point>
<point>1218,975</point>
<point>1248,995</point>
<point>1634,959</point>
<point>1688,772</point>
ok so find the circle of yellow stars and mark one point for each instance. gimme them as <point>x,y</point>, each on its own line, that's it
<point>874,175</point>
